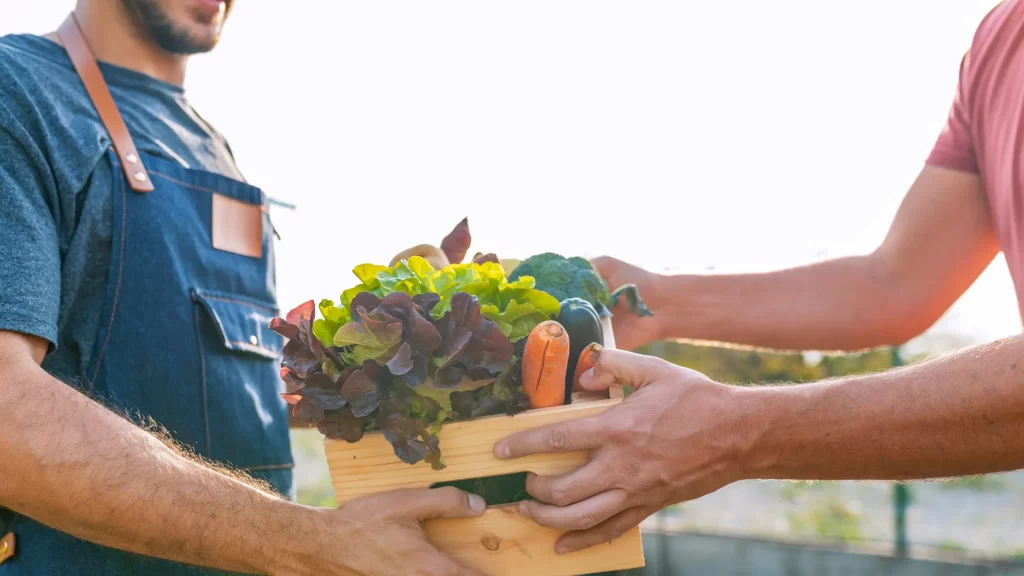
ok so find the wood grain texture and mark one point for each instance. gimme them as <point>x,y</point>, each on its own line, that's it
<point>370,465</point>
<point>500,542</point>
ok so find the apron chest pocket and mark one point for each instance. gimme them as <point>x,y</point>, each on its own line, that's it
<point>242,323</point>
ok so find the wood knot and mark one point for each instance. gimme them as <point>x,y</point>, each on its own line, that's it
<point>491,542</point>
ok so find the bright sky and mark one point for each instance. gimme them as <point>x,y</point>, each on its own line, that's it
<point>743,135</point>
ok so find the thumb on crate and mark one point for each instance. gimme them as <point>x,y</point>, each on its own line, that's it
<point>447,502</point>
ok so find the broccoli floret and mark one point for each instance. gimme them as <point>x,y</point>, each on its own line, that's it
<point>575,277</point>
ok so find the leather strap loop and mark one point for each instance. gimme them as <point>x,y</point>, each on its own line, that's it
<point>89,71</point>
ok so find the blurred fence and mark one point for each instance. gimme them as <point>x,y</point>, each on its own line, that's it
<point>678,554</point>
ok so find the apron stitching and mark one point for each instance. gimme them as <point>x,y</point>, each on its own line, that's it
<point>117,289</point>
<point>234,301</point>
<point>187,185</point>
<point>249,346</point>
<point>202,361</point>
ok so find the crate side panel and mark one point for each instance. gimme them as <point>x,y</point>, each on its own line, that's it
<point>501,542</point>
<point>370,465</point>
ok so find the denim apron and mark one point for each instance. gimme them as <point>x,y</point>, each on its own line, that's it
<point>185,342</point>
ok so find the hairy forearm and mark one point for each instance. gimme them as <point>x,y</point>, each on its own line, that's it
<point>843,304</point>
<point>955,415</point>
<point>72,464</point>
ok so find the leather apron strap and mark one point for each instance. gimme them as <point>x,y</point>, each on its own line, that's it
<point>89,71</point>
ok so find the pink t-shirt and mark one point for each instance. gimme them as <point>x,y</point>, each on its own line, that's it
<point>984,133</point>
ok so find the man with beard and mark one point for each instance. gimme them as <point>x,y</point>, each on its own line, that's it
<point>137,269</point>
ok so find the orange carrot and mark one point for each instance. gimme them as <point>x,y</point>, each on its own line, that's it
<point>588,359</point>
<point>545,362</point>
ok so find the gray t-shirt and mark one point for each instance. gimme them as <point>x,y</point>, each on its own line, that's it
<point>56,188</point>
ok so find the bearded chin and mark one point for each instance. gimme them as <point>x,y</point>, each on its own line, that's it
<point>151,19</point>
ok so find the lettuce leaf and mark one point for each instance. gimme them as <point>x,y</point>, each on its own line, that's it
<point>409,348</point>
<point>416,277</point>
<point>334,317</point>
<point>517,321</point>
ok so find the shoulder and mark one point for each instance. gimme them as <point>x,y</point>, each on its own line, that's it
<point>23,49</point>
<point>1004,12</point>
<point>999,32</point>
<point>30,64</point>
<point>993,57</point>
<point>46,111</point>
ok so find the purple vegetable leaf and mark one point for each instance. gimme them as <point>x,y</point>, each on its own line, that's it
<point>457,242</point>
<point>292,398</point>
<point>366,300</point>
<point>307,411</point>
<point>418,374</point>
<point>418,330</point>
<point>299,359</point>
<point>289,331</point>
<point>342,425</point>
<point>363,393</point>
<point>402,362</point>
<point>426,301</point>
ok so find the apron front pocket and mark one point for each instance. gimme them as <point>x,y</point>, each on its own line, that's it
<point>242,322</point>
<point>245,417</point>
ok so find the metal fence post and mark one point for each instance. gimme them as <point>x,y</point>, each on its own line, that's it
<point>901,494</point>
<point>901,499</point>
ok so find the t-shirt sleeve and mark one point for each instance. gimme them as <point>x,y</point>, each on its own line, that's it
<point>29,247</point>
<point>954,148</point>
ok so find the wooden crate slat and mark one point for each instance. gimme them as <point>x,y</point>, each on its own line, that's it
<point>370,465</point>
<point>501,542</point>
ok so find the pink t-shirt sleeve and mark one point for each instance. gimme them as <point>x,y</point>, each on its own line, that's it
<point>954,148</point>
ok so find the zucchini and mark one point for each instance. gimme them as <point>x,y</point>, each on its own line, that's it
<point>583,325</point>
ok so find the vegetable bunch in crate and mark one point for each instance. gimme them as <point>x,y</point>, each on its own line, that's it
<point>430,339</point>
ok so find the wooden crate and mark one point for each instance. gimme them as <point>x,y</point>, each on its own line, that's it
<point>500,542</point>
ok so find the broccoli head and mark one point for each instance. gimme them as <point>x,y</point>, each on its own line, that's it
<point>575,277</point>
